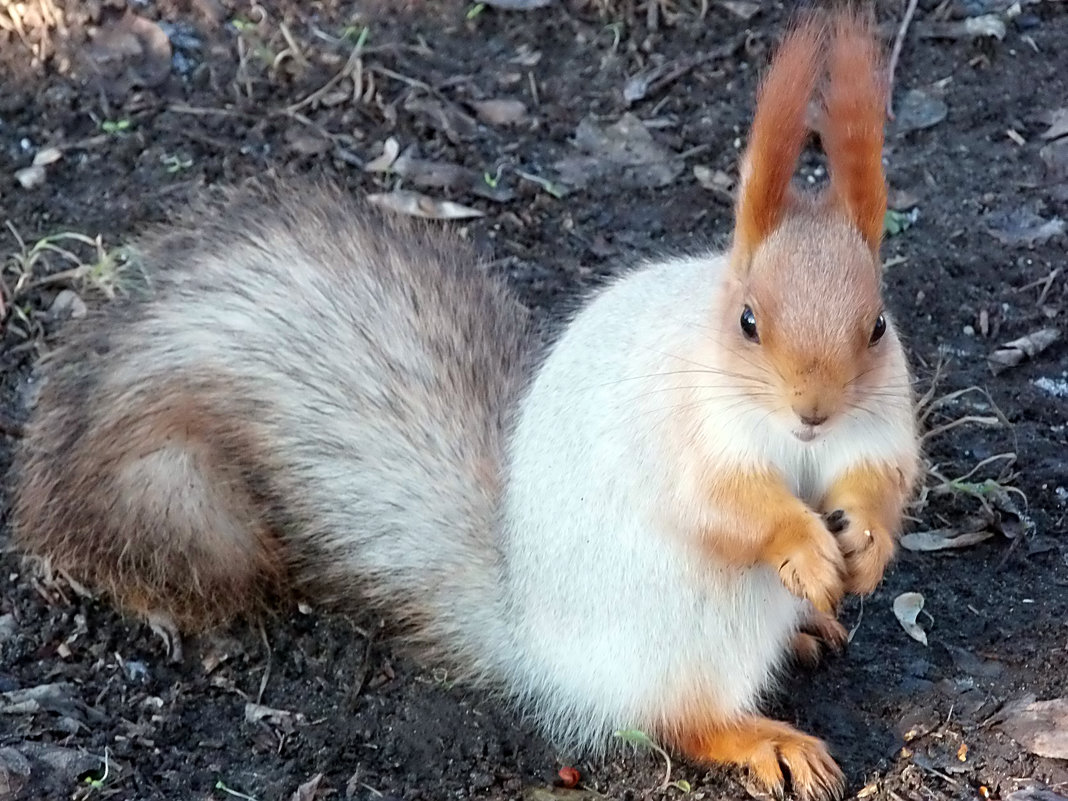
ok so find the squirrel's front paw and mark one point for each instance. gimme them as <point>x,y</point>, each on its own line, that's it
<point>866,547</point>
<point>813,566</point>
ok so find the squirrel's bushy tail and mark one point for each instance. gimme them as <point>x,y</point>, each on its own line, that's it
<point>310,395</point>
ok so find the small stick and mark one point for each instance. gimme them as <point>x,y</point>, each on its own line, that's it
<point>895,54</point>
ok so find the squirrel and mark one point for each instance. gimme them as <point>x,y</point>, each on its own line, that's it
<point>633,525</point>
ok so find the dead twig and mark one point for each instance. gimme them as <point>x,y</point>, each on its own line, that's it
<point>353,68</point>
<point>895,54</point>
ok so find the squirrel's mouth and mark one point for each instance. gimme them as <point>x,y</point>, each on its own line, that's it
<point>807,433</point>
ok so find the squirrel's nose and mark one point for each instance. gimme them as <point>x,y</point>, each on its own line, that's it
<point>813,419</point>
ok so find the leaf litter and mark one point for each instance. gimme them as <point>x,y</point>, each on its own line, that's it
<point>624,151</point>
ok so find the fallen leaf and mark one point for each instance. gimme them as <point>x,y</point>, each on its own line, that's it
<point>741,9</point>
<point>306,141</point>
<point>901,199</point>
<point>415,204</point>
<point>445,175</point>
<point>918,110</point>
<point>384,161</point>
<point>1041,727</point>
<point>449,118</point>
<point>942,539</point>
<point>59,698</point>
<point>907,608</point>
<point>624,151</point>
<point>30,177</point>
<point>68,305</point>
<point>47,765</point>
<point>1035,794</point>
<point>281,719</point>
<point>1019,350</point>
<point>560,794</point>
<point>15,772</point>
<point>307,791</point>
<point>985,25</point>
<point>501,112</point>
<point>1055,157</point>
<point>46,156</point>
<point>132,51</point>
<point>715,180</point>
<point>1023,226</point>
<point>517,5</point>
<point>1058,124</point>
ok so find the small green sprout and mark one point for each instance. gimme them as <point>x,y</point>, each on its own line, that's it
<point>115,126</point>
<point>174,163</point>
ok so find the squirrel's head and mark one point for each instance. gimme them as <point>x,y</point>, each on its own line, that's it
<point>803,308</point>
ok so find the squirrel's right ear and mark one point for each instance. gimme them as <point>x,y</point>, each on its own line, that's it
<point>776,138</point>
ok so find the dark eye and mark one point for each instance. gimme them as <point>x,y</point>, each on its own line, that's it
<point>749,328</point>
<point>878,331</point>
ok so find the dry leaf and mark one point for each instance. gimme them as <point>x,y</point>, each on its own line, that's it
<point>501,112</point>
<point>560,794</point>
<point>445,175</point>
<point>1023,226</point>
<point>918,110</point>
<point>1035,794</point>
<point>46,156</point>
<point>985,25</point>
<point>942,539</point>
<point>281,719</point>
<point>907,608</point>
<point>517,5</point>
<point>741,8</point>
<point>1026,347</point>
<point>384,161</point>
<point>1041,727</point>
<point>1058,124</point>
<point>307,791</point>
<point>415,204</point>
<point>128,52</point>
<point>716,180</point>
<point>1055,157</point>
<point>624,151</point>
<point>444,116</point>
<point>30,177</point>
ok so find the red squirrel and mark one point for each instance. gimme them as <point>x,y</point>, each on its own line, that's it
<point>628,527</point>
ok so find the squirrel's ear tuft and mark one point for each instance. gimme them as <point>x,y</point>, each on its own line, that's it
<point>777,136</point>
<point>854,103</point>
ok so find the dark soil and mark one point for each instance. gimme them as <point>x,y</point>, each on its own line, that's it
<point>141,133</point>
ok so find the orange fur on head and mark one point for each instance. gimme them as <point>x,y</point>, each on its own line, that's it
<point>777,136</point>
<point>852,135</point>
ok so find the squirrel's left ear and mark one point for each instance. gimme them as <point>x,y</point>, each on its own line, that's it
<point>776,137</point>
<point>854,101</point>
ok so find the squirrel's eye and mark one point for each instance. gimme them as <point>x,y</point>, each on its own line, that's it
<point>878,331</point>
<point>749,328</point>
